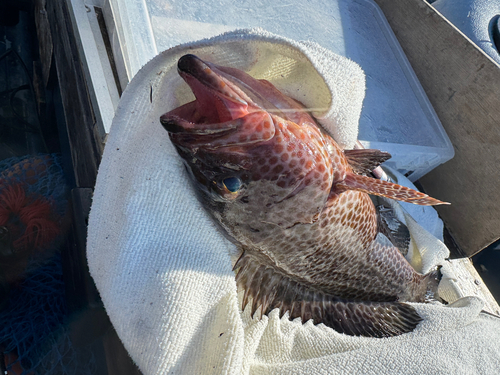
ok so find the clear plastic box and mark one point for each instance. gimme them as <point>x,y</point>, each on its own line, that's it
<point>396,117</point>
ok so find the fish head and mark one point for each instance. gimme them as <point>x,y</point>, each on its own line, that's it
<point>256,155</point>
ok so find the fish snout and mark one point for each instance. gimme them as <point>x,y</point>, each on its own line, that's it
<point>201,76</point>
<point>190,64</point>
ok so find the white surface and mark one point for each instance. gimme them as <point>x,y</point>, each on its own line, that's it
<point>102,88</point>
<point>396,116</point>
<point>164,271</point>
<point>472,17</point>
<point>134,33</point>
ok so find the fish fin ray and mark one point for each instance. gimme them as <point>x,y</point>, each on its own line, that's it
<point>395,230</point>
<point>275,289</point>
<point>249,129</point>
<point>364,161</point>
<point>385,189</point>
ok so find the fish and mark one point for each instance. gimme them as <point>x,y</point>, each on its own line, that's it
<point>296,204</point>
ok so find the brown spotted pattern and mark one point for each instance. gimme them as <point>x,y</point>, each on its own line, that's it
<point>303,218</point>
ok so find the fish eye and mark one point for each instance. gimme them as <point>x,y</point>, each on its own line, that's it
<point>233,184</point>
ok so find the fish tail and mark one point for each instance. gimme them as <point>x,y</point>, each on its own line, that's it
<point>385,189</point>
<point>268,288</point>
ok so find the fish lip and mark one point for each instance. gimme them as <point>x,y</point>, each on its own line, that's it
<point>208,75</point>
<point>193,66</point>
<point>175,124</point>
<point>172,124</point>
<point>190,64</point>
<point>209,86</point>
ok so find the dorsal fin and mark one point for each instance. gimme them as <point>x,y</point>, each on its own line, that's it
<point>363,161</point>
<point>385,189</point>
<point>268,288</point>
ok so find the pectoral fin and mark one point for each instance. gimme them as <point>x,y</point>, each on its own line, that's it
<point>268,288</point>
<point>385,189</point>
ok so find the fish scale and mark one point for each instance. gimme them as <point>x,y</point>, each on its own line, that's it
<point>296,204</point>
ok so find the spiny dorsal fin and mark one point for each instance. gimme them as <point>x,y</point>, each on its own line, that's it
<point>363,161</point>
<point>385,189</point>
<point>269,289</point>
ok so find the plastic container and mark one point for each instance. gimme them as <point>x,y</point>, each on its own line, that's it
<point>477,19</point>
<point>396,117</point>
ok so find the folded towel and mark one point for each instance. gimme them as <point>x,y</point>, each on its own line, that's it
<point>163,269</point>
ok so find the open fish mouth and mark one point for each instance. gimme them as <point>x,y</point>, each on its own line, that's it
<point>223,115</point>
<point>227,101</point>
<point>217,101</point>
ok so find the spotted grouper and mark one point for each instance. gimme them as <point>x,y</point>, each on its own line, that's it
<point>296,204</point>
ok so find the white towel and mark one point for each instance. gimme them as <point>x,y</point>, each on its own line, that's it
<point>164,270</point>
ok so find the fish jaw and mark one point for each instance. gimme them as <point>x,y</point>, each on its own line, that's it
<point>240,127</point>
<point>221,110</point>
<point>224,93</point>
<point>218,100</point>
